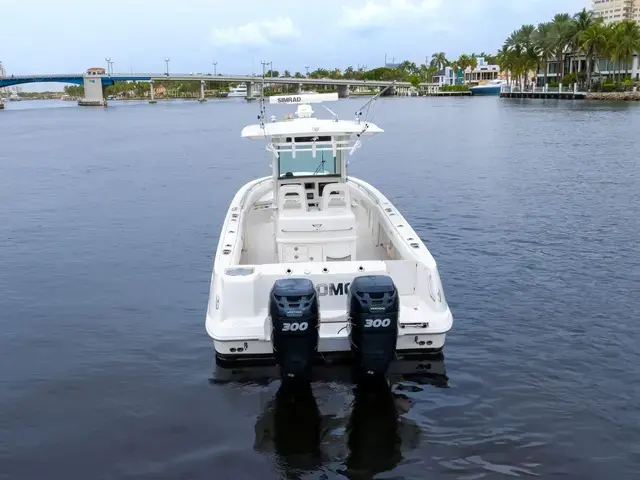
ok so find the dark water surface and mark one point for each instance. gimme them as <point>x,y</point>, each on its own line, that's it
<point>108,222</point>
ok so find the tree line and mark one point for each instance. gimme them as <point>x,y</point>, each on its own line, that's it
<point>565,37</point>
<point>528,49</point>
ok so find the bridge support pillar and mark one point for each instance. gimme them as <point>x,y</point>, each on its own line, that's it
<point>202,99</point>
<point>389,92</point>
<point>93,94</point>
<point>249,91</point>
<point>343,91</point>
<point>298,89</point>
<point>152,93</point>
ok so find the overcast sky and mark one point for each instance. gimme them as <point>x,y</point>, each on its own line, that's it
<point>44,36</point>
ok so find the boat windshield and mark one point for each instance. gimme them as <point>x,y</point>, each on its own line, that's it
<point>305,164</point>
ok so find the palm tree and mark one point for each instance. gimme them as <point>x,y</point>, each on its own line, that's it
<point>593,42</point>
<point>581,21</point>
<point>430,71</point>
<point>455,67</point>
<point>613,50</point>
<point>463,63</point>
<point>562,29</point>
<point>543,46</point>
<point>409,67</point>
<point>504,59</point>
<point>526,37</point>
<point>439,60</point>
<point>349,72</point>
<point>473,63</point>
<point>628,37</point>
<point>523,54</point>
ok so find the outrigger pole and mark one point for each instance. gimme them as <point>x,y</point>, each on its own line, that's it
<point>262,109</point>
<point>372,99</point>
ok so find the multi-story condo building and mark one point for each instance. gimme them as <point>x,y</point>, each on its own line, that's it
<point>616,10</point>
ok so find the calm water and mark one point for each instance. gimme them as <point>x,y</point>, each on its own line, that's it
<point>108,222</point>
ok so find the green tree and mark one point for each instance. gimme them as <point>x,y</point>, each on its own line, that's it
<point>593,42</point>
<point>349,72</point>
<point>439,60</point>
<point>543,46</point>
<point>74,90</point>
<point>463,63</point>
<point>473,62</point>
<point>627,39</point>
<point>456,68</point>
<point>504,59</point>
<point>562,32</point>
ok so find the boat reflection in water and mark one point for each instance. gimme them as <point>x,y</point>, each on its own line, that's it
<point>294,429</point>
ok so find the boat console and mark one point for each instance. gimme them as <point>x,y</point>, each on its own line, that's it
<point>320,230</point>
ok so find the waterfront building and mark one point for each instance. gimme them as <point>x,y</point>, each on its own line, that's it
<point>612,11</point>
<point>483,72</point>
<point>444,77</point>
<point>578,63</point>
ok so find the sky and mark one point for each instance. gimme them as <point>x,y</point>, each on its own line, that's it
<point>44,36</point>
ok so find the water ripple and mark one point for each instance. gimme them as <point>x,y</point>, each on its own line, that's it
<point>108,223</point>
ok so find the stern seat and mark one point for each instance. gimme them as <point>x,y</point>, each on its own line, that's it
<point>318,235</point>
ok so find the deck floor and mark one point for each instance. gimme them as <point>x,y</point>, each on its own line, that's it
<point>261,246</point>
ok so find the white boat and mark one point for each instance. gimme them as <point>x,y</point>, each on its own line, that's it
<point>313,263</point>
<point>239,91</point>
<point>15,98</point>
<point>492,87</point>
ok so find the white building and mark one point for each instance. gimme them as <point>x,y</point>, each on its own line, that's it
<point>616,10</point>
<point>578,64</point>
<point>444,77</point>
<point>482,73</point>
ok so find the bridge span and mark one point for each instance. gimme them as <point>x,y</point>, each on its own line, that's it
<point>95,79</point>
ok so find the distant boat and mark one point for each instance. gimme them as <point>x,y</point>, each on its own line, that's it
<point>239,91</point>
<point>14,98</point>
<point>492,87</point>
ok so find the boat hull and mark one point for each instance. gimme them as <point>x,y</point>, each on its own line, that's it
<point>238,320</point>
<point>485,90</point>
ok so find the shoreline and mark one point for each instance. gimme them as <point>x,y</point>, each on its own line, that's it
<point>618,96</point>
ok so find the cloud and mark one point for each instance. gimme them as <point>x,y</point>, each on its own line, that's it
<point>379,13</point>
<point>256,34</point>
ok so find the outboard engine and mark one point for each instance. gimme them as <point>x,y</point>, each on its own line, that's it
<point>374,306</point>
<point>295,316</point>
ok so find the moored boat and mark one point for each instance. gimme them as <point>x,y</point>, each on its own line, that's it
<point>492,87</point>
<point>315,264</point>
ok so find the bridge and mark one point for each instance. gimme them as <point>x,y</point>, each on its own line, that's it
<point>95,79</point>
<point>75,78</point>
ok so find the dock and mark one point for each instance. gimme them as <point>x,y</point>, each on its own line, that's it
<point>447,94</point>
<point>545,95</point>
<point>553,93</point>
